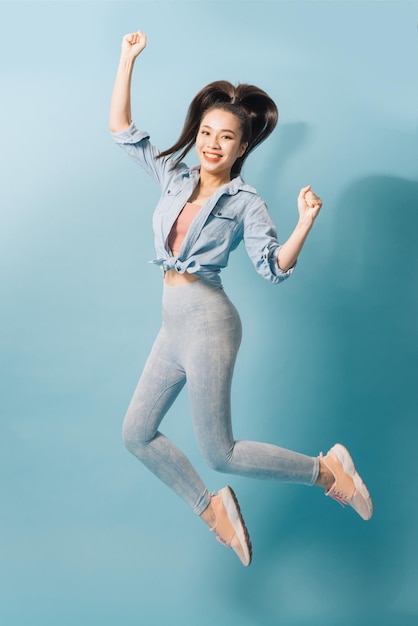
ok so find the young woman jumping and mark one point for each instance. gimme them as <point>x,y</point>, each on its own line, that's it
<point>203,214</point>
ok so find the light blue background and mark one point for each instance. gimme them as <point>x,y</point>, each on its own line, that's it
<point>87,536</point>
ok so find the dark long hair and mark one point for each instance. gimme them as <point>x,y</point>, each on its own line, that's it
<point>255,110</point>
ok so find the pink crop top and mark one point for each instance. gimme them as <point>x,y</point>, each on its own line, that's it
<point>181,225</point>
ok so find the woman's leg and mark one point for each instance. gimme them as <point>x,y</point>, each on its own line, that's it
<point>160,383</point>
<point>209,366</point>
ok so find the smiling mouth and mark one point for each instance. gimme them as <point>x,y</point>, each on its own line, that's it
<point>210,156</point>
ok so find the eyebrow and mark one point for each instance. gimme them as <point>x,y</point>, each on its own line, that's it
<point>223,130</point>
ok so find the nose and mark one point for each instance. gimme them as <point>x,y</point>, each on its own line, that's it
<point>213,142</point>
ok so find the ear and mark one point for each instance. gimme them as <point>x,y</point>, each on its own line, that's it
<point>243,149</point>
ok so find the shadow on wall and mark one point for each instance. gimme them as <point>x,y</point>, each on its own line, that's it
<point>367,309</point>
<point>372,309</point>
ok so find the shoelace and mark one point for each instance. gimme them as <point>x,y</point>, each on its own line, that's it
<point>339,497</point>
<point>222,541</point>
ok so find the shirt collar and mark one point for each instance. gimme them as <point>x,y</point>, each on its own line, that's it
<point>232,188</point>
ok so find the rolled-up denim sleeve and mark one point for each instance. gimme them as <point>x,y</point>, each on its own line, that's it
<point>261,242</point>
<point>136,143</point>
<point>270,255</point>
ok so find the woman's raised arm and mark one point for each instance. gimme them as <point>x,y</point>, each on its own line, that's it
<point>309,205</point>
<point>120,107</point>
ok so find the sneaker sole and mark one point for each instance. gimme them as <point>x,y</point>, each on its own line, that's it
<point>230,502</point>
<point>347,462</point>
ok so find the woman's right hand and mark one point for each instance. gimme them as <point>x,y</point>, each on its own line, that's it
<point>133,44</point>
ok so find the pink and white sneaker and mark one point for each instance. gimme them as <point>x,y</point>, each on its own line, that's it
<point>229,527</point>
<point>348,488</point>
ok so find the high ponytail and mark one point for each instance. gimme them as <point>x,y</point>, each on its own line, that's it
<point>256,111</point>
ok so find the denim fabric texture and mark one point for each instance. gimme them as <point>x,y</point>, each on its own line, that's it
<point>201,332</point>
<point>203,353</point>
<point>234,213</point>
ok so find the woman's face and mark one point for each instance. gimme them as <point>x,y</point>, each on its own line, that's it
<point>219,142</point>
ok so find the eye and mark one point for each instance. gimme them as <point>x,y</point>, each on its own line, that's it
<point>226,137</point>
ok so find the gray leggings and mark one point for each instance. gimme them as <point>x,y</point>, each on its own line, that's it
<point>198,343</point>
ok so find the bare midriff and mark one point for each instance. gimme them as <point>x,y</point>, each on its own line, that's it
<point>175,240</point>
<point>172,278</point>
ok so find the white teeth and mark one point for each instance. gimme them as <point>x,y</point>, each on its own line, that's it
<point>212,157</point>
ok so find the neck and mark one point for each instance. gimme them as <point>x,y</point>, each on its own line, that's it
<point>209,182</point>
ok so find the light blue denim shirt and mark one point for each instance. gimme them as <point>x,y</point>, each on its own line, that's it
<point>234,213</point>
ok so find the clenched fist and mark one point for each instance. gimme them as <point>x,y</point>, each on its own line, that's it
<point>133,44</point>
<point>309,204</point>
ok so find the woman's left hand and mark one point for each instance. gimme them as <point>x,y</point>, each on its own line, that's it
<point>309,204</point>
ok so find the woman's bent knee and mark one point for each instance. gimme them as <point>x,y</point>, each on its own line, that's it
<point>218,462</point>
<point>131,436</point>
